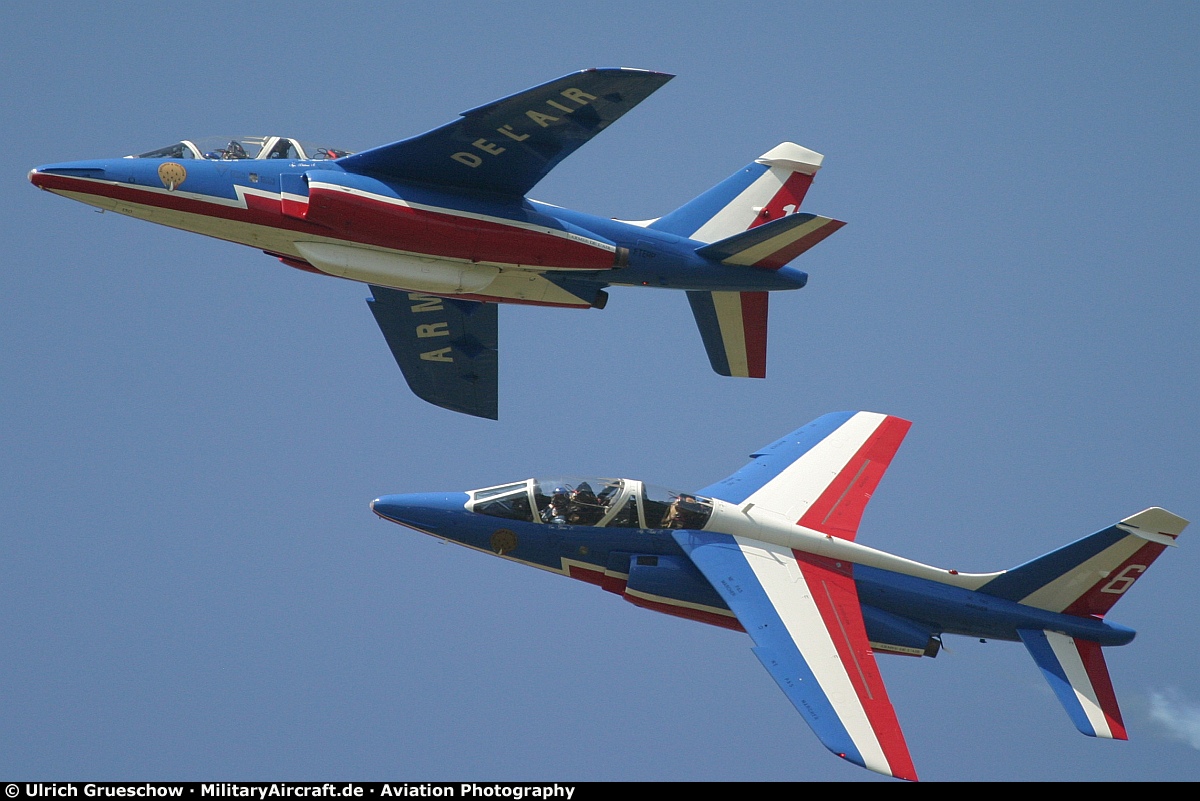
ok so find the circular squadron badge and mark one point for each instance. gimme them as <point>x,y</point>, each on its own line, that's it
<point>503,541</point>
<point>171,174</point>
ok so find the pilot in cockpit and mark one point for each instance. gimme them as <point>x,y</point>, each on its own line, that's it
<point>684,512</point>
<point>283,149</point>
<point>586,509</point>
<point>558,508</point>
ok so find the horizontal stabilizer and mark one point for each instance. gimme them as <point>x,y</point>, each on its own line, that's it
<point>1079,677</point>
<point>772,244</point>
<point>446,348</point>
<point>733,326</point>
<point>507,146</point>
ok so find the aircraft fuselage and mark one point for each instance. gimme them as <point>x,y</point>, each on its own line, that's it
<point>906,605</point>
<point>316,216</point>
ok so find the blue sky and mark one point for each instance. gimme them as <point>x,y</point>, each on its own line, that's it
<point>192,585</point>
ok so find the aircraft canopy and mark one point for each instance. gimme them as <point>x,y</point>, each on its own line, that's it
<point>612,502</point>
<point>227,148</point>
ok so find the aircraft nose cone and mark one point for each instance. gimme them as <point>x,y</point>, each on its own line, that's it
<point>43,176</point>
<point>424,512</point>
<point>389,506</point>
<point>37,177</point>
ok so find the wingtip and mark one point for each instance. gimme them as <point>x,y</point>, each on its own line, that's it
<point>908,773</point>
<point>664,76</point>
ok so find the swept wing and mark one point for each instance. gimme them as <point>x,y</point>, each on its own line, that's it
<point>446,348</point>
<point>507,146</point>
<point>803,613</point>
<point>803,610</point>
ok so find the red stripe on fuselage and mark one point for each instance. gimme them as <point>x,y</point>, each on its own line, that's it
<point>699,615</point>
<point>363,220</point>
<point>258,211</point>
<point>617,584</point>
<point>587,574</point>
<point>373,221</point>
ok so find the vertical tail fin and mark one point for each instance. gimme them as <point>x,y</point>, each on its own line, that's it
<point>1088,576</point>
<point>769,188</point>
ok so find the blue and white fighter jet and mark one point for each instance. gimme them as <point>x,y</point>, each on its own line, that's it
<point>440,227</point>
<point>770,550</point>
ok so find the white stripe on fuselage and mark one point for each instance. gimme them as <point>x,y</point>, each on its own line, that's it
<point>242,191</point>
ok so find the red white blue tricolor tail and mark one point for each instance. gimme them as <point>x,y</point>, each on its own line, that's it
<point>733,326</point>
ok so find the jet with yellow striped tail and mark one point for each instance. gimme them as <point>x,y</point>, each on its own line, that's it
<point>771,551</point>
<point>440,227</point>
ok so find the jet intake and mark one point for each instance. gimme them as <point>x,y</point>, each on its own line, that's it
<point>889,633</point>
<point>672,585</point>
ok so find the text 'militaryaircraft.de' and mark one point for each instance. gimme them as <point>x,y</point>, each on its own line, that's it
<point>440,227</point>
<point>770,550</point>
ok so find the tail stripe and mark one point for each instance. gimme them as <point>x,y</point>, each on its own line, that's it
<point>1081,580</point>
<point>733,326</point>
<point>1023,582</point>
<point>1084,578</point>
<point>773,245</point>
<point>1109,587</point>
<point>1092,659</point>
<point>688,218</point>
<point>786,200</point>
<point>741,214</point>
<point>770,188</point>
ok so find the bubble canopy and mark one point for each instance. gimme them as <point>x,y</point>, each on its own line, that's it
<point>236,148</point>
<point>610,502</point>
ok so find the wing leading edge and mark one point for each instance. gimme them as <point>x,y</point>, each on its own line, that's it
<point>804,616</point>
<point>509,145</point>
